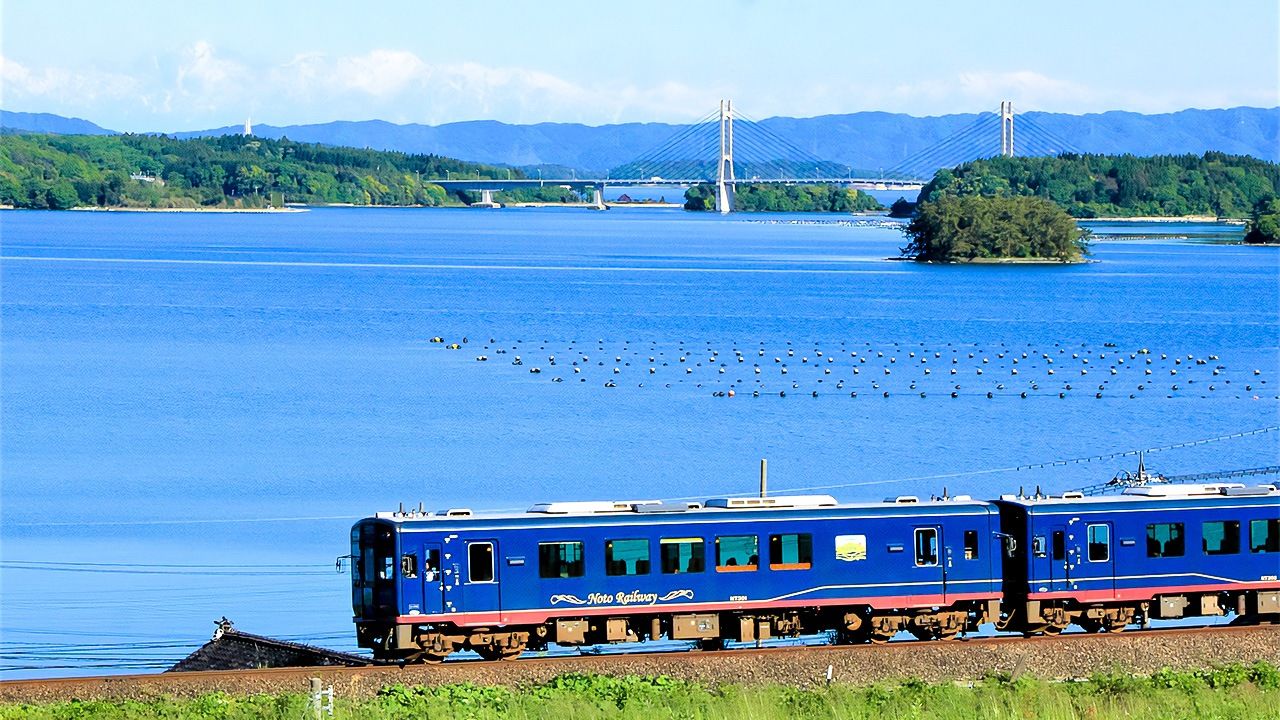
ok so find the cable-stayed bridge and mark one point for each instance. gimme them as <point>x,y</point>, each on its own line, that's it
<point>727,148</point>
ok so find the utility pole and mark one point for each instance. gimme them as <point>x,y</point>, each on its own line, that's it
<point>725,185</point>
<point>1006,128</point>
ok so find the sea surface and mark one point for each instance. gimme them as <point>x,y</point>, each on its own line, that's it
<point>195,408</point>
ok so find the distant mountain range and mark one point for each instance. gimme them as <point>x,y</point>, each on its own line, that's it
<point>861,140</point>
<point>48,123</point>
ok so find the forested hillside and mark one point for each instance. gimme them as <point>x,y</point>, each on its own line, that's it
<point>1120,185</point>
<point>63,171</point>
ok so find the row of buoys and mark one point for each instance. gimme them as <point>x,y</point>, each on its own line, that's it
<point>721,359</point>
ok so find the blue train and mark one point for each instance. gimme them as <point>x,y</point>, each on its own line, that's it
<point>748,569</point>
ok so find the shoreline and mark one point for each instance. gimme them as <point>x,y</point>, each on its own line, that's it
<point>192,210</point>
<point>1166,219</point>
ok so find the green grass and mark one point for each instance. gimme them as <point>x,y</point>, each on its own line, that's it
<point>1235,691</point>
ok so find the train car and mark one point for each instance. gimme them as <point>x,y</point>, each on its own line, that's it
<point>730,569</point>
<point>1153,552</point>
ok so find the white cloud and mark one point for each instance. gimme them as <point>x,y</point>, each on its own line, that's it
<point>199,87</point>
<point>19,82</point>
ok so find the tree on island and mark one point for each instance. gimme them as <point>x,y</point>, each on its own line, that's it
<point>902,208</point>
<point>1264,224</point>
<point>974,228</point>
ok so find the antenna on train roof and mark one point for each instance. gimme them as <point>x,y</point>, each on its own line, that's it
<point>764,477</point>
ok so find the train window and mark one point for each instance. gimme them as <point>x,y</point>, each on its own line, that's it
<point>683,555</point>
<point>1059,545</point>
<point>1099,543</point>
<point>1264,535</point>
<point>1037,546</point>
<point>1166,540</point>
<point>409,566</point>
<point>1220,537</point>
<point>626,557</point>
<point>560,560</point>
<point>970,544</point>
<point>737,553</point>
<point>431,569</point>
<point>480,562</point>
<point>791,551</point>
<point>926,547</point>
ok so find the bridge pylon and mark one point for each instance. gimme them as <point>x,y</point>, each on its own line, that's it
<point>725,184</point>
<point>1006,128</point>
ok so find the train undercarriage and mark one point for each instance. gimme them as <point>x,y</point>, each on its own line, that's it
<point>710,630</point>
<point>407,643</point>
<point>1052,617</point>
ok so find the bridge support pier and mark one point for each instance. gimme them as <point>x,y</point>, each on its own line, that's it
<point>598,203</point>
<point>725,181</point>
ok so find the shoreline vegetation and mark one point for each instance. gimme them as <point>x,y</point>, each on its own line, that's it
<point>61,172</point>
<point>1234,691</point>
<point>1119,187</point>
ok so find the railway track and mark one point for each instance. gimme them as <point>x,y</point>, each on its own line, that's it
<point>1065,656</point>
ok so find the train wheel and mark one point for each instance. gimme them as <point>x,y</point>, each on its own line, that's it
<point>1090,625</point>
<point>1052,629</point>
<point>493,653</point>
<point>855,637</point>
<point>880,638</point>
<point>922,633</point>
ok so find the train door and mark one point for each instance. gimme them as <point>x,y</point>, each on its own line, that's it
<point>475,584</point>
<point>432,580</point>
<point>1060,559</point>
<point>1095,558</point>
<point>930,563</point>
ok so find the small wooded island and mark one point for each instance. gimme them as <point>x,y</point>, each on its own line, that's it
<point>973,228</point>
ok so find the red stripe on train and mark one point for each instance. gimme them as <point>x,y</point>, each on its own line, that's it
<point>1147,593</point>
<point>542,615</point>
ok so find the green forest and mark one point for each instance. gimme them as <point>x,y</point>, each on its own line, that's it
<point>973,228</point>
<point>773,197</point>
<point>1088,186</point>
<point>233,171</point>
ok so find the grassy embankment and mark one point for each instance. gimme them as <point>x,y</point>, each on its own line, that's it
<point>1237,691</point>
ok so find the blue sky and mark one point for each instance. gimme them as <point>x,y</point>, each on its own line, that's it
<point>170,66</point>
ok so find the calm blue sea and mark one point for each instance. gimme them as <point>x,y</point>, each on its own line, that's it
<point>196,407</point>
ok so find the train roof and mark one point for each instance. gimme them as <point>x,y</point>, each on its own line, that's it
<point>658,511</point>
<point>1158,494</point>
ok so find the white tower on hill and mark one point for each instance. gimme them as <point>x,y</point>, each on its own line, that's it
<point>248,127</point>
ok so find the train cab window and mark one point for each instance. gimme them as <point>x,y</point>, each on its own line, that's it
<point>626,557</point>
<point>560,560</point>
<point>970,544</point>
<point>409,565</point>
<point>1220,537</point>
<point>926,547</point>
<point>388,569</point>
<point>683,555</point>
<point>480,562</point>
<point>1264,536</point>
<point>737,553</point>
<point>1059,545</point>
<point>791,551</point>
<point>1099,537</point>
<point>1037,546</point>
<point>1166,540</point>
